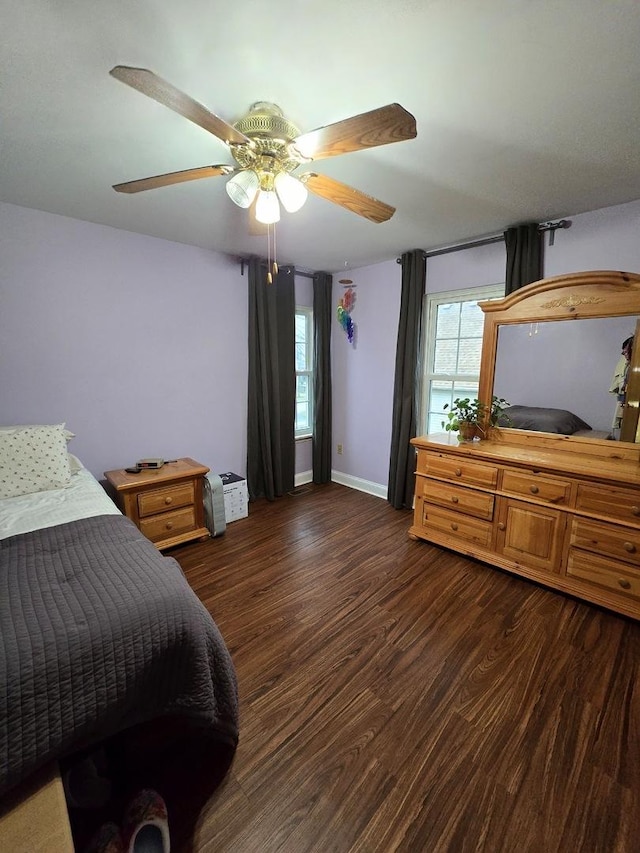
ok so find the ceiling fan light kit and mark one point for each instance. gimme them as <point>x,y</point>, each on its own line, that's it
<point>267,207</point>
<point>242,187</point>
<point>291,192</point>
<point>267,148</point>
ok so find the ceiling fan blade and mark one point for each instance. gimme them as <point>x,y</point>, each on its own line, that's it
<point>378,127</point>
<point>155,87</point>
<point>354,200</point>
<point>173,178</point>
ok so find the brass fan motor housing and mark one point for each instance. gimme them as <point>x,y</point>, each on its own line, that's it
<point>270,134</point>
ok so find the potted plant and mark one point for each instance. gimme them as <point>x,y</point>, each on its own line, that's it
<point>465,416</point>
<point>471,417</point>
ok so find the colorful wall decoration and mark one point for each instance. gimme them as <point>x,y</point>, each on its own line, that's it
<point>345,307</point>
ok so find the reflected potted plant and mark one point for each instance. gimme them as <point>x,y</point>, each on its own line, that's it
<point>470,417</point>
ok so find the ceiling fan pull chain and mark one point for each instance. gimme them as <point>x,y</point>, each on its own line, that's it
<point>269,277</point>
<point>275,253</point>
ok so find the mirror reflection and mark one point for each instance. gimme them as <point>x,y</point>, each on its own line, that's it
<point>566,366</point>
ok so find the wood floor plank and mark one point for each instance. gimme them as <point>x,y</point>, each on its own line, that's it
<point>395,696</point>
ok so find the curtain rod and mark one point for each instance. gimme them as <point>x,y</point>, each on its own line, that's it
<point>296,271</point>
<point>497,238</point>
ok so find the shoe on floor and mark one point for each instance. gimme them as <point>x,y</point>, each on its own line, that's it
<point>106,840</point>
<point>145,827</point>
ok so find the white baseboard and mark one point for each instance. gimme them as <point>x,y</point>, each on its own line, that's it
<point>375,489</point>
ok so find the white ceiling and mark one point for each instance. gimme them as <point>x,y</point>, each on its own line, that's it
<point>526,110</point>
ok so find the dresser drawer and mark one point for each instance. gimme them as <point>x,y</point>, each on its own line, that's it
<point>170,497</point>
<point>530,484</point>
<point>440,521</point>
<point>469,501</point>
<point>168,524</point>
<point>607,573</point>
<point>618,543</point>
<point>609,501</point>
<point>457,470</point>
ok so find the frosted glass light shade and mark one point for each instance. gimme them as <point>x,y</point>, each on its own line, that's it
<point>267,207</point>
<point>242,188</point>
<point>291,192</point>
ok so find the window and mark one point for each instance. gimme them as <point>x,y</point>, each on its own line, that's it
<point>452,348</point>
<point>304,373</point>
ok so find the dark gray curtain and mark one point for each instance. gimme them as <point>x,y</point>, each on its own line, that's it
<point>524,256</point>
<point>322,283</point>
<point>402,457</point>
<point>271,388</point>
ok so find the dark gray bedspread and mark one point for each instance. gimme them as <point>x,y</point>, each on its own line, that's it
<point>99,632</point>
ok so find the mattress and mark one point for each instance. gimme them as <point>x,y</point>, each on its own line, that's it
<point>84,497</point>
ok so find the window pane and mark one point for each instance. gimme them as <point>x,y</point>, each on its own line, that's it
<point>302,389</point>
<point>301,357</point>
<point>301,327</point>
<point>303,421</point>
<point>304,371</point>
<point>448,320</point>
<point>453,349</point>
<point>446,356</point>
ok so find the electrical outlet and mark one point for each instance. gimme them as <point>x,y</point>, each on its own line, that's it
<point>339,450</point>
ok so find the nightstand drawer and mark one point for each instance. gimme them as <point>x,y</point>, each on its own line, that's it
<point>171,497</point>
<point>168,524</point>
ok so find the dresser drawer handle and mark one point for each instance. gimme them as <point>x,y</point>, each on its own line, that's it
<point>534,490</point>
<point>630,547</point>
<point>454,500</point>
<point>458,472</point>
<point>169,525</point>
<point>454,526</point>
<point>624,583</point>
<point>635,510</point>
<point>168,500</point>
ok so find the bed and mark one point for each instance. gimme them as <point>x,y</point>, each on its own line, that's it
<point>99,632</point>
<point>542,419</point>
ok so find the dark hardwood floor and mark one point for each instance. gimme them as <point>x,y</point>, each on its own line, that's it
<point>398,697</point>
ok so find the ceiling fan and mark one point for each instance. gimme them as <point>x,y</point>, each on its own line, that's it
<point>268,149</point>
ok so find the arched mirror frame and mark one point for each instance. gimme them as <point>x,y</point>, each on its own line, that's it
<point>582,295</point>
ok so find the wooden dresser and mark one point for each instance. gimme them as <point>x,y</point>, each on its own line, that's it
<point>166,504</point>
<point>563,513</point>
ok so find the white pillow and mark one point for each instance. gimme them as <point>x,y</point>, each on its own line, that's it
<point>33,459</point>
<point>75,464</point>
<point>67,433</point>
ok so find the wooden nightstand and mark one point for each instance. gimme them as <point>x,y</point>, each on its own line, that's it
<point>166,504</point>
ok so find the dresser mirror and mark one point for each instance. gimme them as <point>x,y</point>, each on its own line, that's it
<point>551,349</point>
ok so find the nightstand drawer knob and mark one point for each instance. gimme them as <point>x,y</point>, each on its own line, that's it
<point>624,583</point>
<point>635,510</point>
<point>630,547</point>
<point>169,525</point>
<point>454,526</point>
<point>168,500</point>
<point>534,490</point>
<point>458,472</point>
<point>454,500</point>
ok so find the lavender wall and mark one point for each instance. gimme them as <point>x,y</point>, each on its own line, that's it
<point>363,374</point>
<point>139,344</point>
